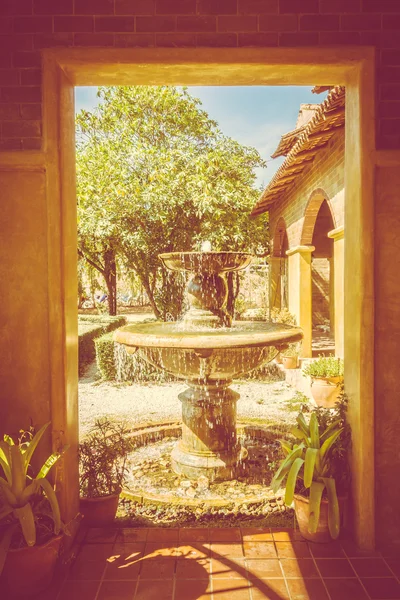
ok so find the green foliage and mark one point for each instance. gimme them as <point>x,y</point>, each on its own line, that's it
<point>282,315</point>
<point>102,459</point>
<point>324,366</point>
<point>21,493</point>
<point>91,327</point>
<point>311,465</point>
<point>155,174</point>
<point>105,356</point>
<point>292,349</point>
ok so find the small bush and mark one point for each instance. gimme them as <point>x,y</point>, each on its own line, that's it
<point>91,327</point>
<point>324,366</point>
<point>105,356</point>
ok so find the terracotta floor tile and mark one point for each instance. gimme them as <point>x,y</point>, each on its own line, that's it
<point>157,569</point>
<point>87,570</point>
<point>330,550</point>
<point>101,535</point>
<point>96,552</point>
<point>271,589</point>
<point>122,568</point>
<point>234,550</point>
<point>308,589</point>
<point>259,549</point>
<point>193,550</point>
<point>343,589</point>
<point>256,534</point>
<point>299,567</point>
<point>193,569</point>
<point>129,534</point>
<point>154,590</point>
<point>193,590</point>
<point>292,550</point>
<point>382,589</point>
<point>229,567</point>
<point>392,551</point>
<point>117,590</point>
<point>194,534</point>
<point>159,550</point>
<point>371,567</point>
<point>225,535</point>
<point>128,549</point>
<point>286,535</point>
<point>335,567</point>
<point>159,534</point>
<point>78,590</point>
<point>394,564</point>
<point>230,589</point>
<point>352,550</point>
<point>259,568</point>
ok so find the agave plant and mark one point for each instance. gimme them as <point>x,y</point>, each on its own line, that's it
<point>308,461</point>
<point>19,491</point>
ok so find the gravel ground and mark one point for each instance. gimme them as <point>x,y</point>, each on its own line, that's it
<point>139,403</point>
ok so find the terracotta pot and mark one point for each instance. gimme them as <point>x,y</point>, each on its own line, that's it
<point>29,570</point>
<point>302,509</point>
<point>278,358</point>
<point>290,362</point>
<point>98,512</point>
<point>326,390</point>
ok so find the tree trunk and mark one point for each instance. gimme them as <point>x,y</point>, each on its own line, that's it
<point>149,292</point>
<point>233,282</point>
<point>110,275</point>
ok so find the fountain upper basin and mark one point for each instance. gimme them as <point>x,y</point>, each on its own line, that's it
<point>206,262</point>
<point>204,353</point>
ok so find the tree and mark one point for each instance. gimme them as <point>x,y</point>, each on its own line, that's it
<point>155,174</point>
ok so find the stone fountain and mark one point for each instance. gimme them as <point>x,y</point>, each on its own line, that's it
<point>207,350</point>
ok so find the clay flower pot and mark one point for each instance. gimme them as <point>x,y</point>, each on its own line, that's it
<point>289,362</point>
<point>99,512</point>
<point>302,510</point>
<point>279,358</point>
<point>326,390</point>
<point>29,570</point>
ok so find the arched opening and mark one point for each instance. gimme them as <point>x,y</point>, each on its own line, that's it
<point>322,275</point>
<point>279,267</point>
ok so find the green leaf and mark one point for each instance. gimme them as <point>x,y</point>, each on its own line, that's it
<point>52,498</point>
<point>291,480</point>
<point>17,471</point>
<point>316,491</point>
<point>9,495</point>
<point>286,447</point>
<point>25,516</point>
<point>49,463</point>
<point>328,443</point>
<point>333,507</point>
<point>314,431</point>
<point>298,433</point>
<point>329,430</point>
<point>5,542</point>
<point>287,462</point>
<point>302,424</point>
<point>311,456</point>
<point>5,466</point>
<point>33,445</point>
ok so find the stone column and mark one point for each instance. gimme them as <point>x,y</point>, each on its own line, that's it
<point>300,292</point>
<point>275,282</point>
<point>338,272</point>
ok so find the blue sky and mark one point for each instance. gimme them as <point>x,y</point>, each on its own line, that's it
<point>254,116</point>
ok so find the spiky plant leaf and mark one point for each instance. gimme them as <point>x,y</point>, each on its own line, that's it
<point>25,516</point>
<point>291,480</point>
<point>52,498</point>
<point>33,445</point>
<point>309,465</point>
<point>314,431</point>
<point>316,491</point>
<point>328,443</point>
<point>333,507</point>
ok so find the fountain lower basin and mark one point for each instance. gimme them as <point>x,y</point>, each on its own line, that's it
<point>208,359</point>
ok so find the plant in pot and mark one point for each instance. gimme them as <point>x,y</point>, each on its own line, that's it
<point>282,315</point>
<point>326,374</point>
<point>290,356</point>
<point>30,523</point>
<point>102,468</point>
<point>316,472</point>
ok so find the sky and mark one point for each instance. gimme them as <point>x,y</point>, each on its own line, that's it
<point>253,115</point>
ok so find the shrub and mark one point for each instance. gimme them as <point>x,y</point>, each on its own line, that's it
<point>324,366</point>
<point>91,327</point>
<point>105,356</point>
<point>282,316</point>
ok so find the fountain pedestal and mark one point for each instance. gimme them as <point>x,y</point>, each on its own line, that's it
<point>209,444</point>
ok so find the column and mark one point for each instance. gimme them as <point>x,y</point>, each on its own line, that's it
<point>338,273</point>
<point>300,293</point>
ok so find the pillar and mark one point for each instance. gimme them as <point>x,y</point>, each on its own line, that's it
<point>338,273</point>
<point>300,293</point>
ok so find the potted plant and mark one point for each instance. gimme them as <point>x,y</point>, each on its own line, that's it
<point>30,523</point>
<point>316,470</point>
<point>326,373</point>
<point>102,467</point>
<point>282,315</point>
<point>290,356</point>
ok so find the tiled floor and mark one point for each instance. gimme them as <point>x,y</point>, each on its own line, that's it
<point>223,564</point>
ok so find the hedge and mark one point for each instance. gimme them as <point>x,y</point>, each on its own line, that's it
<point>91,327</point>
<point>114,363</point>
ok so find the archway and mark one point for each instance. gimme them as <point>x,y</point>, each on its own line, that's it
<point>278,282</point>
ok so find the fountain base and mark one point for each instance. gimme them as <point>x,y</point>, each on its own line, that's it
<point>209,444</point>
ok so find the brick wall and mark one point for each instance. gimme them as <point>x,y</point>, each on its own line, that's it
<point>28,26</point>
<point>326,172</point>
<point>320,273</point>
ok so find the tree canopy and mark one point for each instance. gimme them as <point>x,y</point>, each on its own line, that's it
<point>156,174</point>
